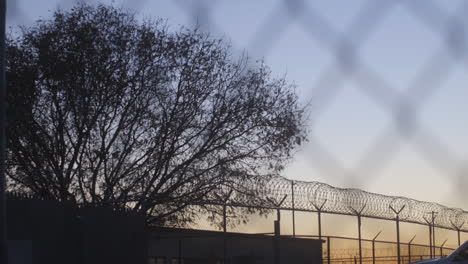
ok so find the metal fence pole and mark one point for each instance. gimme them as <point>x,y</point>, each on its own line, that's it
<point>373,246</point>
<point>319,215</point>
<point>224,200</point>
<point>430,240</point>
<point>430,235</point>
<point>319,225</point>
<point>224,232</point>
<point>224,218</point>
<point>398,239</point>
<point>441,247</point>
<point>360,239</point>
<point>373,251</point>
<point>409,249</point>
<point>359,214</point>
<point>293,213</point>
<point>458,228</point>
<point>397,219</point>
<point>328,250</point>
<point>433,214</point>
<point>3,237</point>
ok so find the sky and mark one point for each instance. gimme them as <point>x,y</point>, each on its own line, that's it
<point>361,136</point>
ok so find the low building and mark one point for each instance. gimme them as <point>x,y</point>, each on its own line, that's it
<point>186,246</point>
<point>52,232</point>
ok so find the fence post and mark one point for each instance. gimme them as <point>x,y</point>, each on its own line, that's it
<point>319,215</point>
<point>359,214</point>
<point>430,240</point>
<point>373,246</point>
<point>319,225</point>
<point>277,225</point>
<point>328,250</point>
<point>433,215</point>
<point>458,228</point>
<point>224,203</point>
<point>397,212</point>
<point>409,249</point>
<point>442,246</point>
<point>373,252</point>
<point>430,223</point>
<point>293,211</point>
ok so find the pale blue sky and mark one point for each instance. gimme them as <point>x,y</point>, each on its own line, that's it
<point>398,48</point>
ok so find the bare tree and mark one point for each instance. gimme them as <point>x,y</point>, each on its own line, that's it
<point>104,109</point>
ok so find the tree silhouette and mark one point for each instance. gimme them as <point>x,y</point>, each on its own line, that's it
<point>104,109</point>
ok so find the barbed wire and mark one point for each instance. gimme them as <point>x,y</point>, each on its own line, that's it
<point>316,196</point>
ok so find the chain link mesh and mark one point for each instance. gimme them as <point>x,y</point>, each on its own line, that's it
<point>402,106</point>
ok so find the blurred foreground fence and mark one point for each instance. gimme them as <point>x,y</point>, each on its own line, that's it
<point>402,107</point>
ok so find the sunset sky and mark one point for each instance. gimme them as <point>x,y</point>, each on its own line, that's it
<point>355,140</point>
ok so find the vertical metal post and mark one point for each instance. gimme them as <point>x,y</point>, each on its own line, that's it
<point>409,248</point>
<point>373,246</point>
<point>278,214</point>
<point>442,246</point>
<point>360,239</point>
<point>224,231</point>
<point>359,214</point>
<point>373,251</point>
<point>430,240</point>
<point>224,203</point>
<point>398,239</point>
<point>3,237</point>
<point>293,213</point>
<point>433,234</point>
<point>319,215</point>
<point>224,218</point>
<point>328,251</point>
<point>458,227</point>
<point>278,223</point>
<point>409,252</point>
<point>397,220</point>
<point>319,225</point>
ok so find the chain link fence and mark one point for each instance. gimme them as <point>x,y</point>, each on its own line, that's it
<point>348,65</point>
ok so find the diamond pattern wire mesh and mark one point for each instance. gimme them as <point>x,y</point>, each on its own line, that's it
<point>403,107</point>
